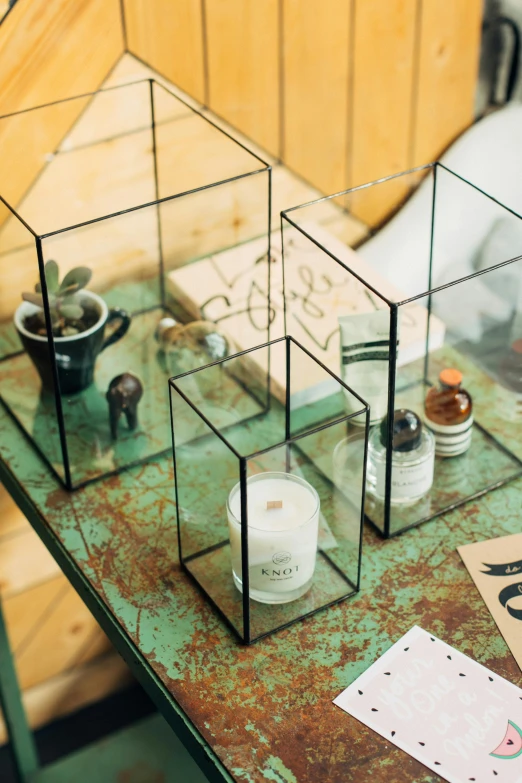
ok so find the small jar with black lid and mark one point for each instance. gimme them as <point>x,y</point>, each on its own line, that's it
<point>412,455</point>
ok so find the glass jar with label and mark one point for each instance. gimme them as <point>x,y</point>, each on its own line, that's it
<point>412,455</point>
<point>283,520</point>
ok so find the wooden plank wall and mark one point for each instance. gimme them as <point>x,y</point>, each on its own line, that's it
<point>46,53</point>
<point>64,660</point>
<point>169,37</point>
<point>342,91</point>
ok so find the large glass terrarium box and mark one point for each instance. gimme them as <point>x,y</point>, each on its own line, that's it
<point>424,320</point>
<point>104,198</point>
<point>268,527</point>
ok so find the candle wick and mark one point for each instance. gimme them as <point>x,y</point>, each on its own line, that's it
<point>274,504</point>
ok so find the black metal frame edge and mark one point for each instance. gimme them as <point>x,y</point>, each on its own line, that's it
<point>334,258</point>
<point>278,628</point>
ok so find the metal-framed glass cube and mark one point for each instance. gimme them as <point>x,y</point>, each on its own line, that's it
<point>269,486</point>
<point>429,298</point>
<point>132,183</point>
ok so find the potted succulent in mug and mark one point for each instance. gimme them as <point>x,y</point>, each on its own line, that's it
<point>78,321</point>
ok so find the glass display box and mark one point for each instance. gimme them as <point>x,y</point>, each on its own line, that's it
<point>422,315</point>
<point>269,520</point>
<point>106,199</point>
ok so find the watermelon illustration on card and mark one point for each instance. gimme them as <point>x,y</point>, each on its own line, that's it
<point>511,745</point>
<point>449,712</point>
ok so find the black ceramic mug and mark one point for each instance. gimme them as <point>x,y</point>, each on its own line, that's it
<point>75,355</point>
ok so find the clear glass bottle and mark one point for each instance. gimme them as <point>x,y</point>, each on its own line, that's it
<point>189,346</point>
<point>448,413</point>
<point>413,459</point>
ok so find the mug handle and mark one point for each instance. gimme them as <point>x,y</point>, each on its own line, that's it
<point>116,314</point>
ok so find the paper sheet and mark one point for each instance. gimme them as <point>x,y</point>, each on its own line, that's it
<point>444,709</point>
<point>496,568</point>
<point>230,288</point>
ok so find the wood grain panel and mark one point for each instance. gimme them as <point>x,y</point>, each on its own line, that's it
<point>68,692</point>
<point>243,66</point>
<point>46,53</point>
<point>46,50</point>
<point>24,562</point>
<point>316,81</point>
<point>25,610</point>
<point>382,100</point>
<point>50,629</point>
<point>169,37</point>
<point>448,65</point>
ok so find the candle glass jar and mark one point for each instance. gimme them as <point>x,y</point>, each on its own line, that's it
<point>282,540</point>
<point>268,528</point>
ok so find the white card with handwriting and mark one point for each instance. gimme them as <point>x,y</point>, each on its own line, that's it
<point>447,711</point>
<point>229,288</point>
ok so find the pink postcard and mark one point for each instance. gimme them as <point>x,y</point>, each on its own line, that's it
<point>444,709</point>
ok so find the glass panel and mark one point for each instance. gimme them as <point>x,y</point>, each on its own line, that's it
<point>27,384</point>
<point>88,166</point>
<point>109,425</point>
<point>304,482</point>
<point>215,251</point>
<point>103,166</point>
<point>29,141</point>
<point>335,315</point>
<point>394,259</point>
<point>477,445</point>
<point>206,471</point>
<point>472,326</point>
<point>234,394</point>
<point>211,156</point>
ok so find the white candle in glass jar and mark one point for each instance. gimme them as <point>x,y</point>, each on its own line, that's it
<point>282,541</point>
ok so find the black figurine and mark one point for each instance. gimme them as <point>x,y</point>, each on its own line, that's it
<point>123,395</point>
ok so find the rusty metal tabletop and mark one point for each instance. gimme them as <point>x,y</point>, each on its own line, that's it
<point>260,713</point>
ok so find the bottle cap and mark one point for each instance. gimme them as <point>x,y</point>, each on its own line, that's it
<point>450,377</point>
<point>517,346</point>
<point>407,430</point>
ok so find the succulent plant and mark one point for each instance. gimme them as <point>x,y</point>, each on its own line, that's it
<point>65,307</point>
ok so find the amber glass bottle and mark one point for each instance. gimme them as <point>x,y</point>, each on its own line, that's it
<point>448,412</point>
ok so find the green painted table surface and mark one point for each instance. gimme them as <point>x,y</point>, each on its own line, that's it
<point>260,713</point>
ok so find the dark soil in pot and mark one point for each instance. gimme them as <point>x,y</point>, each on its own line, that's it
<point>36,323</point>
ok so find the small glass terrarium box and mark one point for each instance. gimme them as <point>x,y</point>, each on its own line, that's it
<point>268,527</point>
<point>104,199</point>
<point>422,316</point>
